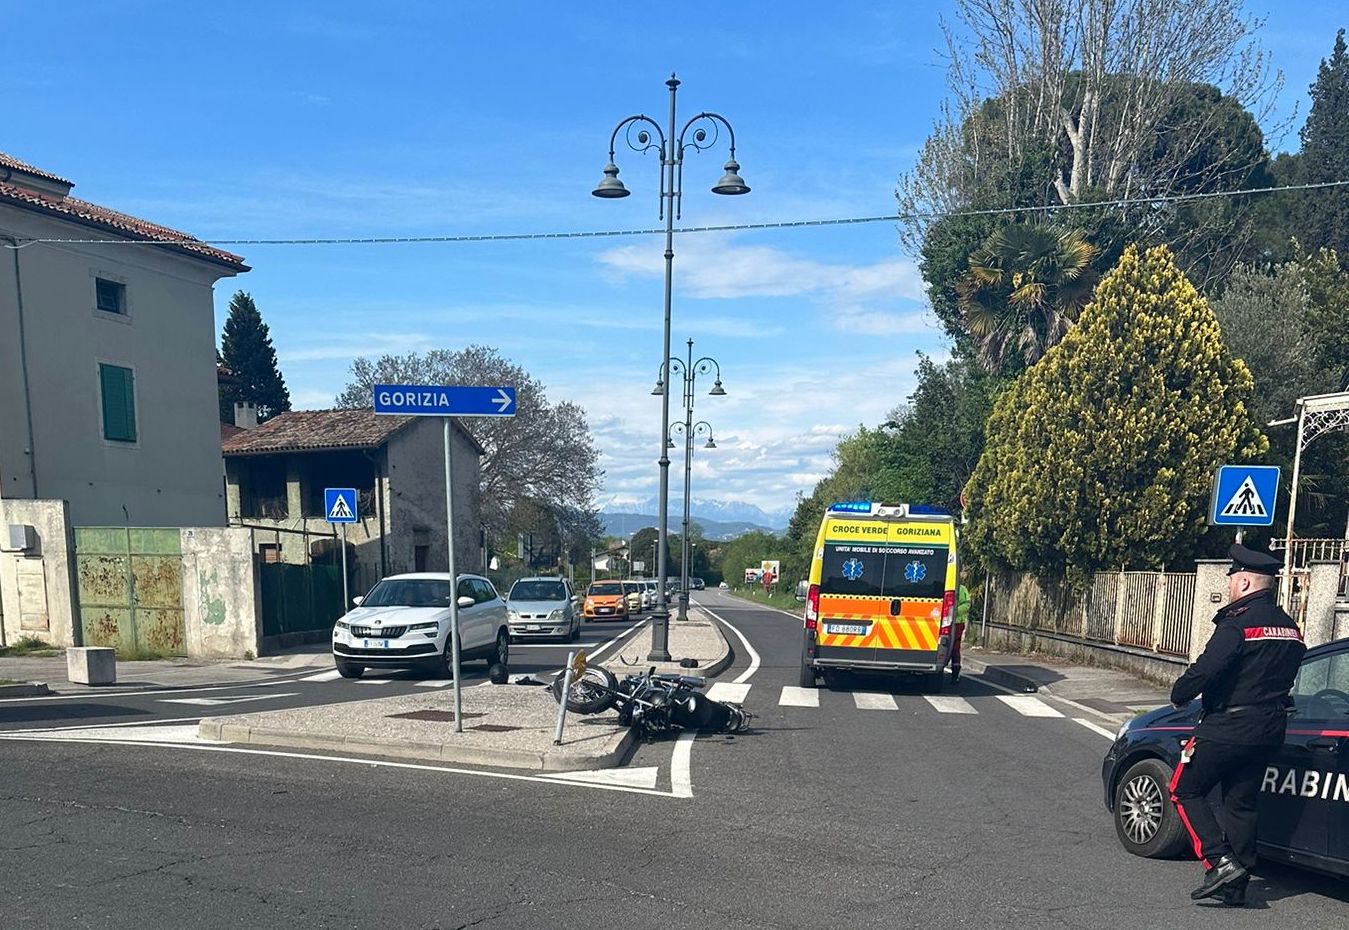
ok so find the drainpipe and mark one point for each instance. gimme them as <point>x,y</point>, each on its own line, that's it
<point>23,364</point>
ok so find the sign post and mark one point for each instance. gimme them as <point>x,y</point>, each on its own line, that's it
<point>340,507</point>
<point>448,402</point>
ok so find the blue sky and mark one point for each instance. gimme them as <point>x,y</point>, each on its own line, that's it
<point>288,120</point>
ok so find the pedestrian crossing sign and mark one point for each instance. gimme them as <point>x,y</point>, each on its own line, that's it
<point>1244,495</point>
<point>339,505</point>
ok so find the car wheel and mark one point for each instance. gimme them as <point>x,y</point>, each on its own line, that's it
<point>445,667</point>
<point>807,676</point>
<point>502,652</point>
<point>1146,821</point>
<point>575,631</point>
<point>349,669</point>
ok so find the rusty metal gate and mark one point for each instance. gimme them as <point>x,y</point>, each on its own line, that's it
<point>131,588</point>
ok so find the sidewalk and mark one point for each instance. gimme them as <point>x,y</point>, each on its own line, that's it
<point>504,726</point>
<point>167,673</point>
<point>1116,694</point>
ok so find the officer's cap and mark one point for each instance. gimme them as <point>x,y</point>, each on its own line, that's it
<point>1252,560</point>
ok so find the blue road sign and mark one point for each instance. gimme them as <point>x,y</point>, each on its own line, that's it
<point>433,400</point>
<point>1244,495</point>
<point>339,505</point>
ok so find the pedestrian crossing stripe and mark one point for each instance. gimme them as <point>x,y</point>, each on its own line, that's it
<point>1245,502</point>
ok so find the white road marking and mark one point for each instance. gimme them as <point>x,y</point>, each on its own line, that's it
<point>432,683</point>
<point>630,778</point>
<point>141,733</point>
<point>1095,729</point>
<point>729,691</point>
<point>324,676</point>
<point>591,656</point>
<point>374,681</point>
<point>946,704</point>
<point>870,700</point>
<point>681,780</point>
<point>753,667</point>
<point>792,696</point>
<point>220,701</point>
<point>1027,705</point>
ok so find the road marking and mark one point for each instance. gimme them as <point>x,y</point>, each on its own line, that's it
<point>872,700</point>
<point>945,704</point>
<point>432,683</point>
<point>374,681</point>
<point>792,696</point>
<point>324,676</point>
<point>748,673</point>
<point>630,778</point>
<point>734,692</point>
<point>681,780</point>
<point>217,702</point>
<point>1095,729</point>
<point>593,655</point>
<point>140,733</point>
<point>1028,705</point>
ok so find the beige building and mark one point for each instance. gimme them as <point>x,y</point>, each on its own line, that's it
<point>107,359</point>
<point>275,475</point>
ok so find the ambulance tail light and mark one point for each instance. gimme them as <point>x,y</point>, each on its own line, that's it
<point>813,607</point>
<point>948,613</point>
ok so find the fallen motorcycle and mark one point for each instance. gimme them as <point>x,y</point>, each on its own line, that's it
<point>650,703</point>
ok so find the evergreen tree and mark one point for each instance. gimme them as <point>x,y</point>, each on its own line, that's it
<point>1325,155</point>
<point>246,350</point>
<point>1101,455</point>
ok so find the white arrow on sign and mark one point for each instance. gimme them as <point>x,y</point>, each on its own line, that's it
<point>216,702</point>
<point>502,400</point>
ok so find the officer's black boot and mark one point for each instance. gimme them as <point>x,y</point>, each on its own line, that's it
<point>955,674</point>
<point>1225,872</point>
<point>1234,895</point>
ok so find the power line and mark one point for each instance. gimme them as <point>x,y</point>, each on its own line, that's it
<point>729,227</point>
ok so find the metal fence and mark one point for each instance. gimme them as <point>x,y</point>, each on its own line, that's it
<point>1146,610</point>
<point>1307,551</point>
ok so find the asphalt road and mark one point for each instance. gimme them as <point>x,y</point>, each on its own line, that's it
<point>875,811</point>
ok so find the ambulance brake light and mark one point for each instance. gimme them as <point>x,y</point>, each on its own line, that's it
<point>812,607</point>
<point>948,613</point>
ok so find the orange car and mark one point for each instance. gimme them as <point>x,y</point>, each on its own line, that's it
<point>605,600</point>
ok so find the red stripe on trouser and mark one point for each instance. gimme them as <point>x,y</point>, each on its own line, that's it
<point>1180,808</point>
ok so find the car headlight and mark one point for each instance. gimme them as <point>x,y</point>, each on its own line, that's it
<point>556,614</point>
<point>419,627</point>
<point>1124,728</point>
<point>590,604</point>
<point>513,615</point>
<point>342,625</point>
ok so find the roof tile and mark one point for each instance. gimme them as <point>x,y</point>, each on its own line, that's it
<point>314,430</point>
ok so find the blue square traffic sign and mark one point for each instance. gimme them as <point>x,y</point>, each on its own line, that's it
<point>339,505</point>
<point>1244,495</point>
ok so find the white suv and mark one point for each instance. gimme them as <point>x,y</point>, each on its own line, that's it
<point>404,622</point>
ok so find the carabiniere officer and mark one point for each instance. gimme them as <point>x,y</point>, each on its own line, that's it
<point>1244,676</point>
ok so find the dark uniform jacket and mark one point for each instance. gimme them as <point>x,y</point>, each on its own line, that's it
<point>1245,673</point>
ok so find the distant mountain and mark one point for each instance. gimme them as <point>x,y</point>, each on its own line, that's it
<point>625,524</point>
<point>715,511</point>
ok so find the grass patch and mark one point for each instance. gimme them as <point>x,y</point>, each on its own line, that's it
<point>782,600</point>
<point>143,655</point>
<point>9,681</point>
<point>29,646</point>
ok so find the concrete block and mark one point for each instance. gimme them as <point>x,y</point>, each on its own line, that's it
<point>91,665</point>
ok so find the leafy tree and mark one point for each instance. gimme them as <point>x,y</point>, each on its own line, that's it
<point>749,550</point>
<point>1025,286</point>
<point>545,452</point>
<point>1325,154</point>
<point>246,350</point>
<point>1102,454</point>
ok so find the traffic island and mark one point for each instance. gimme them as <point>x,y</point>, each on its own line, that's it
<point>504,726</point>
<point>698,638</point>
<point>15,689</point>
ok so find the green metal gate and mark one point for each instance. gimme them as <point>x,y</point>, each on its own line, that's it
<point>131,588</point>
<point>299,598</point>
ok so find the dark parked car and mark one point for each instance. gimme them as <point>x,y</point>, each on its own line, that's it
<point>1304,795</point>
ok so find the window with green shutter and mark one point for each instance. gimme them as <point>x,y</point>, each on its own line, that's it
<point>119,403</point>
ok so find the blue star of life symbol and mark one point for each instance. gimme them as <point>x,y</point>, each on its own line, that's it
<point>915,572</point>
<point>852,569</point>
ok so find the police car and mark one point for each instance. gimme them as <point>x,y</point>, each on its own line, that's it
<point>1304,793</point>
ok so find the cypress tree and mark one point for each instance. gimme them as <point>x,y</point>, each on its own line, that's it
<point>1325,155</point>
<point>246,350</point>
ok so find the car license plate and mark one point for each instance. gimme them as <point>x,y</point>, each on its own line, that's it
<point>605,610</point>
<point>846,629</point>
<point>374,644</point>
<point>533,627</point>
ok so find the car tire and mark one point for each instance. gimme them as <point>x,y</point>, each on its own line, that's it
<point>1146,821</point>
<point>502,652</point>
<point>350,669</point>
<point>575,632</point>
<point>807,679</point>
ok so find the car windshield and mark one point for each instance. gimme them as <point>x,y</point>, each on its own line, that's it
<point>632,587</point>
<point>604,590</point>
<point>408,592</point>
<point>538,591</point>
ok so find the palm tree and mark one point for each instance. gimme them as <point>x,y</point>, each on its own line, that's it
<point>1025,287</point>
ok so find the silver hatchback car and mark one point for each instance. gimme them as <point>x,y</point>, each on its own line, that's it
<point>543,607</point>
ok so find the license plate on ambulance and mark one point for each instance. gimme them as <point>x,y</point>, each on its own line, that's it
<point>846,629</point>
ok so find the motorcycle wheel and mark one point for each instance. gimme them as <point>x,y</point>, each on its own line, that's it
<point>593,693</point>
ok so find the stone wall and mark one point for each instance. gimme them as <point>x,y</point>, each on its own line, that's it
<point>222,615</point>
<point>38,594</point>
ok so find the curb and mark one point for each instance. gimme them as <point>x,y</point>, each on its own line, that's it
<point>29,689</point>
<point>561,761</point>
<point>1005,677</point>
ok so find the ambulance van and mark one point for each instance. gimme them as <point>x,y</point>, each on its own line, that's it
<point>882,592</point>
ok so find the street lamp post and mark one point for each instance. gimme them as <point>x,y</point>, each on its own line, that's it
<point>671,147</point>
